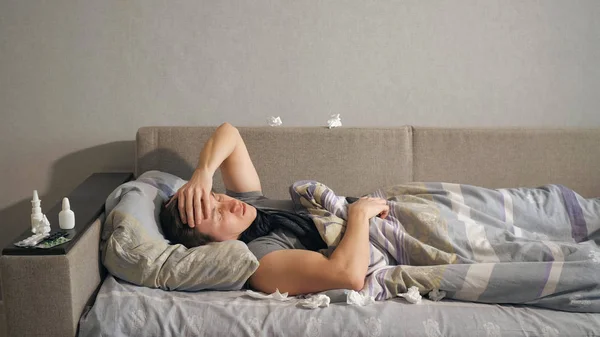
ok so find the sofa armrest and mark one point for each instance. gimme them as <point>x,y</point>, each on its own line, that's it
<point>45,295</point>
<point>45,292</point>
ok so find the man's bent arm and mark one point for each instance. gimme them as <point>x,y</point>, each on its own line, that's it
<point>300,272</point>
<point>303,271</point>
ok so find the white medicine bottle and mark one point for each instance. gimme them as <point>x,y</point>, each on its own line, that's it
<point>66,217</point>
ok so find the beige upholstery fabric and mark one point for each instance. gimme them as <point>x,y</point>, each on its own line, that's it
<point>170,149</point>
<point>68,282</point>
<point>356,161</point>
<point>2,320</point>
<point>509,157</point>
<point>86,271</point>
<point>350,161</point>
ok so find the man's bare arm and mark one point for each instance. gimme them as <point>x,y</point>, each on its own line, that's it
<point>303,271</point>
<point>226,149</point>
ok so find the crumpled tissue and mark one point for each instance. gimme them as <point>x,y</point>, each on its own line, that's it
<point>436,295</point>
<point>315,301</point>
<point>412,295</point>
<point>274,121</point>
<point>334,121</point>
<point>355,298</point>
<point>274,296</point>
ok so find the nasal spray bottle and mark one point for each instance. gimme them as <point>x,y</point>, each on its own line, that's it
<point>66,217</point>
<point>40,226</point>
<point>36,212</point>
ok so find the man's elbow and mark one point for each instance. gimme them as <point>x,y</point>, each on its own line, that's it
<point>352,279</point>
<point>227,126</point>
<point>356,283</point>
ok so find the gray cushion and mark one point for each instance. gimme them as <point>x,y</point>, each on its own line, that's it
<point>134,249</point>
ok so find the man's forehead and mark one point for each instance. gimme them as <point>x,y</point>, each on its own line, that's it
<point>213,210</point>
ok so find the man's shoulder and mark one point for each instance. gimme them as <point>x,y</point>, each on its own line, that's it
<point>250,196</point>
<point>278,239</point>
<point>280,234</point>
<point>257,199</point>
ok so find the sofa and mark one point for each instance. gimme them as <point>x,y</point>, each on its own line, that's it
<point>488,157</point>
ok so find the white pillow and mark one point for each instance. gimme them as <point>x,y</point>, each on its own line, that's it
<point>134,249</point>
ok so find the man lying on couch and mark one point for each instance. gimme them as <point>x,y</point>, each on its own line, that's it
<point>284,241</point>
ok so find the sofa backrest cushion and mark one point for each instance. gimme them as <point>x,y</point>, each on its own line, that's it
<point>499,158</point>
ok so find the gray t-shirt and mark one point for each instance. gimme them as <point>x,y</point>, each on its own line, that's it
<point>278,239</point>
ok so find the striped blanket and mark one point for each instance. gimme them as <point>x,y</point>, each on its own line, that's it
<point>535,246</point>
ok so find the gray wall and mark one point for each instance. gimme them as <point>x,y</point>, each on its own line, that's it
<point>77,78</point>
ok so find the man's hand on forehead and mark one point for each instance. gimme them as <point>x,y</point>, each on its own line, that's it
<point>194,200</point>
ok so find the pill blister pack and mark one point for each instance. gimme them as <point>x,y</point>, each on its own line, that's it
<point>44,240</point>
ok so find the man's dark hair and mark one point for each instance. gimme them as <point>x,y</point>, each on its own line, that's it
<point>176,231</point>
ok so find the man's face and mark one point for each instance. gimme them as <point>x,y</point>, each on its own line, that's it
<point>227,219</point>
